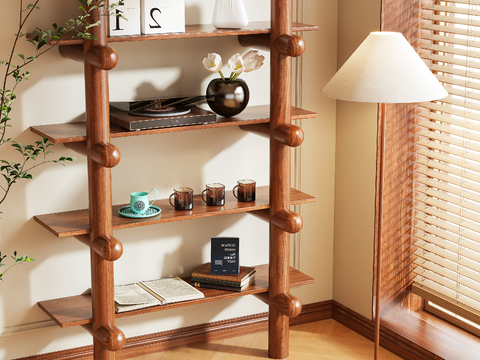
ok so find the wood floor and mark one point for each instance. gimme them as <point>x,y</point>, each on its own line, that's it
<point>321,340</point>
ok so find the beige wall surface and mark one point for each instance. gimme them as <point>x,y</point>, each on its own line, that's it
<point>318,151</point>
<point>55,94</point>
<point>355,171</point>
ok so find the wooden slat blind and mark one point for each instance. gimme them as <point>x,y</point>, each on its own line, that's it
<point>447,178</point>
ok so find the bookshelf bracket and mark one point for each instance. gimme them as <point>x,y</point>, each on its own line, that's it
<point>104,154</point>
<point>287,304</point>
<point>106,246</point>
<point>288,221</point>
<point>288,134</point>
<point>109,335</point>
<point>101,57</point>
<point>289,45</point>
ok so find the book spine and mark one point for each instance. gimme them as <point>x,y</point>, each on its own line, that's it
<point>220,282</point>
<point>230,279</point>
<point>215,286</point>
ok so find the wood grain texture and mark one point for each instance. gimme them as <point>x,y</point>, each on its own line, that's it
<point>202,340</point>
<point>77,310</point>
<point>399,344</point>
<point>280,116</point>
<point>100,196</point>
<point>258,41</point>
<point>289,45</point>
<point>428,337</point>
<point>99,221</point>
<point>289,135</point>
<point>196,31</point>
<point>106,246</point>
<point>424,335</point>
<point>74,223</point>
<point>76,131</point>
<point>400,148</point>
<point>393,337</point>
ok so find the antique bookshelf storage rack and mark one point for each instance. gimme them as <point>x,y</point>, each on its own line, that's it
<point>94,226</point>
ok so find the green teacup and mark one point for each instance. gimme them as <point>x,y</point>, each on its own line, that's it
<point>139,202</point>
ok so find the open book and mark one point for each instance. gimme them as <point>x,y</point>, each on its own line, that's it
<point>154,292</point>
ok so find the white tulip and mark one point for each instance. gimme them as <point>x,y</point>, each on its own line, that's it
<point>252,60</point>
<point>213,63</point>
<point>235,64</point>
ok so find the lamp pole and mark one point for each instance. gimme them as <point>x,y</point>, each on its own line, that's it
<point>378,284</point>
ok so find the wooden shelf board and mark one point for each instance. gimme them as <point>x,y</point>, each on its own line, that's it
<point>198,31</point>
<point>74,223</point>
<point>77,310</point>
<point>76,131</point>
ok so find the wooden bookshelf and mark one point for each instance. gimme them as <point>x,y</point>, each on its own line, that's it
<point>93,139</point>
<point>77,310</point>
<point>197,31</point>
<point>74,223</point>
<point>77,131</point>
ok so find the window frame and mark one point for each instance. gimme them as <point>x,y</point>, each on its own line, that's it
<point>402,311</point>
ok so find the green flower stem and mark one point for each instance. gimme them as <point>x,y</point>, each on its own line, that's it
<point>234,77</point>
<point>221,74</point>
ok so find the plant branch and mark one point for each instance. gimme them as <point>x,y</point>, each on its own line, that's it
<point>18,260</point>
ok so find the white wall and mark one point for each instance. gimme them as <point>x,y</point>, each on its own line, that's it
<point>55,94</point>
<point>355,171</point>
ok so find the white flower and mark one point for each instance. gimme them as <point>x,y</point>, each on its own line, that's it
<point>252,60</point>
<point>213,63</point>
<point>235,64</point>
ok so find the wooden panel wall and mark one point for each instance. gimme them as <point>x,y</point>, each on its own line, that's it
<point>405,17</point>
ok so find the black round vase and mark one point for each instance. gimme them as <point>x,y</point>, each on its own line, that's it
<point>227,98</point>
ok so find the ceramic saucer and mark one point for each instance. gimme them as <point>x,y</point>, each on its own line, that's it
<point>128,212</point>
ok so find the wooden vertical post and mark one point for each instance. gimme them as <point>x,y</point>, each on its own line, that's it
<point>100,199</point>
<point>280,97</point>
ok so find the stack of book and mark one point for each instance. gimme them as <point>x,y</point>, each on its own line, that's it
<point>202,278</point>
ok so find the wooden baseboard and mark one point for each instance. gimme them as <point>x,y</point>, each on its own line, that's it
<point>389,339</point>
<point>152,343</point>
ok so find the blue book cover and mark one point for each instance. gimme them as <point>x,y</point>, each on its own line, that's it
<point>225,256</point>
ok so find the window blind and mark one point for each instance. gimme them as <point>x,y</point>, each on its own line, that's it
<point>447,173</point>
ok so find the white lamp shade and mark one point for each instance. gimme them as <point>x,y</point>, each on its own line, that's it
<point>385,69</point>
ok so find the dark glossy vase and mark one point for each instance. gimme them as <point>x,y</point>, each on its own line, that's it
<point>227,98</point>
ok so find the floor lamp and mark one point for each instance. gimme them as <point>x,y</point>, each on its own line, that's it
<point>384,69</point>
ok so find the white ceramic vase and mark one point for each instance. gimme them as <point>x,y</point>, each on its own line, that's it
<point>229,14</point>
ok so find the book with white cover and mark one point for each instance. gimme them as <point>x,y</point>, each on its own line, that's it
<point>172,289</point>
<point>132,297</point>
<point>153,293</point>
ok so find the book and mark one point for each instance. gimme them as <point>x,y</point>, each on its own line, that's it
<point>201,284</point>
<point>245,280</point>
<point>225,283</point>
<point>225,255</point>
<point>203,274</point>
<point>153,293</point>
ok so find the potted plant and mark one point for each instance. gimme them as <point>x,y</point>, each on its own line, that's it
<point>229,96</point>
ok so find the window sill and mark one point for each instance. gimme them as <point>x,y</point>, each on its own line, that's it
<point>434,334</point>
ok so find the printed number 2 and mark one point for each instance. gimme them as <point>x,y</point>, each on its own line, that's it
<point>153,18</point>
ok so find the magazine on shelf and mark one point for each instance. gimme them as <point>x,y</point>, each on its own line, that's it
<point>153,293</point>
